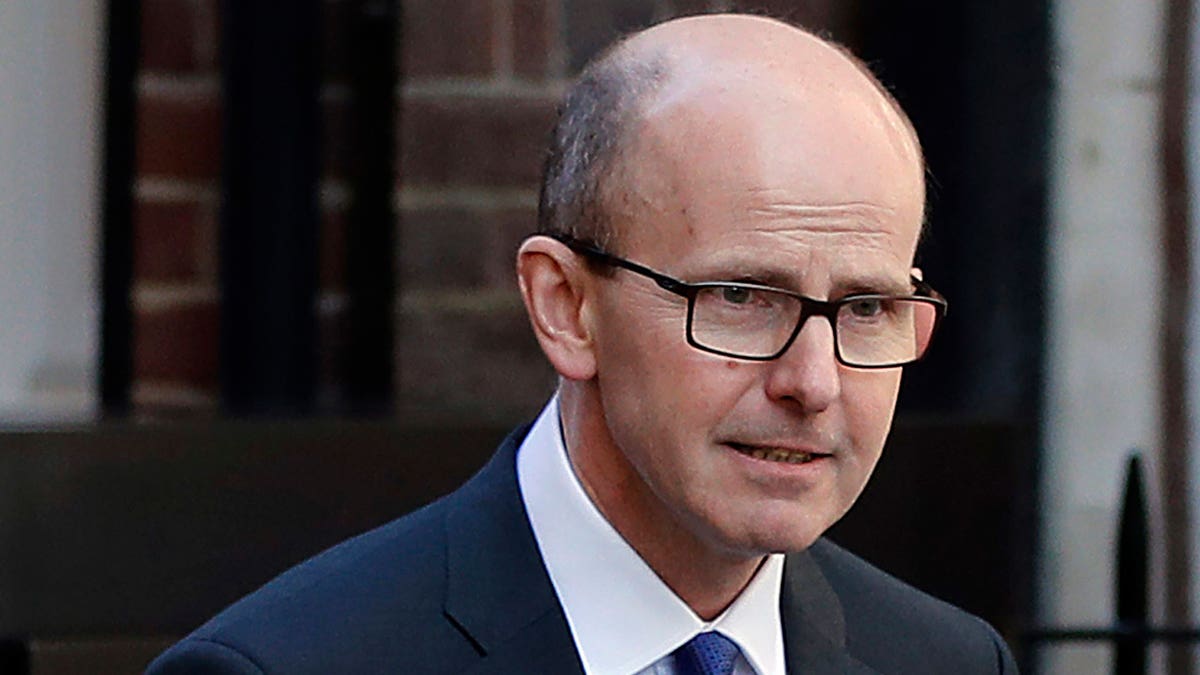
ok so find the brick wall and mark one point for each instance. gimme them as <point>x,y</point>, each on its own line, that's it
<point>175,215</point>
<point>480,81</point>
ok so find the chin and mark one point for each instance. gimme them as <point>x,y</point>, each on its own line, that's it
<point>794,543</point>
<point>774,535</point>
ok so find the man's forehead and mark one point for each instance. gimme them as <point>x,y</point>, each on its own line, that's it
<point>722,72</point>
<point>839,168</point>
<point>727,97</point>
<point>749,105</point>
<point>845,246</point>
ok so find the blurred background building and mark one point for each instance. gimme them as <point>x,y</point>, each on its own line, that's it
<point>256,260</point>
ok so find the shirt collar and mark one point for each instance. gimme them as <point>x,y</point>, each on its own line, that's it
<point>622,616</point>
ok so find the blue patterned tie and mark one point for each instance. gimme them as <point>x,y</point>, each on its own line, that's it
<point>706,654</point>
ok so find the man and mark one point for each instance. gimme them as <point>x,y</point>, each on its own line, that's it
<point>723,280</point>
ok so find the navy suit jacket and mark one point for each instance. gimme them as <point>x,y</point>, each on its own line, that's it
<point>459,587</point>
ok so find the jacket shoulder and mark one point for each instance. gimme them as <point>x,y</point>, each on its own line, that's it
<point>372,604</point>
<point>896,628</point>
<point>341,611</point>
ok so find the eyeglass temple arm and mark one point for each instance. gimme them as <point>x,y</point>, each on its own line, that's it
<point>667,283</point>
<point>682,288</point>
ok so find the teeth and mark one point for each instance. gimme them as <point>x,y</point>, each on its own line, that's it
<point>780,455</point>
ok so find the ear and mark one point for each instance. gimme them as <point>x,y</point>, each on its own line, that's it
<point>554,287</point>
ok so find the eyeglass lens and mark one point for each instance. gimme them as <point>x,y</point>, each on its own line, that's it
<point>870,330</point>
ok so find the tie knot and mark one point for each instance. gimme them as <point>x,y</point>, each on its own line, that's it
<point>706,654</point>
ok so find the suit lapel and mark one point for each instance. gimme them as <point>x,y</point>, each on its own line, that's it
<point>499,594</point>
<point>497,590</point>
<point>814,627</point>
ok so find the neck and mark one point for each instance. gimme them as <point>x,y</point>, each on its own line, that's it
<point>707,578</point>
<point>707,583</point>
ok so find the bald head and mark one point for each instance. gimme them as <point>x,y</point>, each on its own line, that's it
<point>740,164</point>
<point>724,68</point>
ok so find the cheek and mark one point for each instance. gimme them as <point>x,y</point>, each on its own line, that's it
<point>659,392</point>
<point>687,393</point>
<point>644,343</point>
<point>636,327</point>
<point>709,387</point>
<point>869,398</point>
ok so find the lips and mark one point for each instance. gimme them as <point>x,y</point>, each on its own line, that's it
<point>777,454</point>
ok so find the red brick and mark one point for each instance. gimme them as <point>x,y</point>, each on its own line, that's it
<point>447,37</point>
<point>535,37</point>
<point>332,355</point>
<point>167,238</point>
<point>474,141</point>
<point>443,248</point>
<point>335,137</point>
<point>177,345</point>
<point>208,34</point>
<point>168,35</point>
<point>332,252</point>
<point>511,227</point>
<point>471,366</point>
<point>179,137</point>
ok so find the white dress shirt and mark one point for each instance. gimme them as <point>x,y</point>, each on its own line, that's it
<point>624,619</point>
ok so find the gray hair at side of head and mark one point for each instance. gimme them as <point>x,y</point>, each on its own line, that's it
<point>588,139</point>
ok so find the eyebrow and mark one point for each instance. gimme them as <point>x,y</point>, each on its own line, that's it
<point>773,276</point>
<point>876,284</point>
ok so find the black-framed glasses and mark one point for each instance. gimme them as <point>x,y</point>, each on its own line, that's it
<point>758,323</point>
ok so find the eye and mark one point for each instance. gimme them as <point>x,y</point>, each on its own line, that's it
<point>866,308</point>
<point>736,295</point>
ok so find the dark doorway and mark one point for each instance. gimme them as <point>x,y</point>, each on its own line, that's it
<point>975,79</point>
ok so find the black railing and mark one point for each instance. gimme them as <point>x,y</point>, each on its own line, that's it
<point>116,262</point>
<point>1132,633</point>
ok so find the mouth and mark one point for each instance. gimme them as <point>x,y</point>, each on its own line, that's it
<point>777,454</point>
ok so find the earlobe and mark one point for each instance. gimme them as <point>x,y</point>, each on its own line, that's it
<point>553,289</point>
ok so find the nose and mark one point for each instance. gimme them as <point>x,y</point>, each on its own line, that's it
<point>807,374</point>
